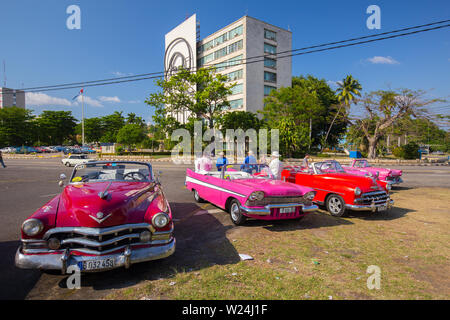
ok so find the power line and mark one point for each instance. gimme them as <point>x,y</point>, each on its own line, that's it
<point>155,75</point>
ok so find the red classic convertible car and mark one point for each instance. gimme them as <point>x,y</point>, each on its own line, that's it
<point>338,190</point>
<point>109,215</point>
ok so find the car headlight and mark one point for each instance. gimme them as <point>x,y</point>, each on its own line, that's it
<point>388,186</point>
<point>160,220</point>
<point>309,195</point>
<point>257,195</point>
<point>32,227</point>
<point>357,191</point>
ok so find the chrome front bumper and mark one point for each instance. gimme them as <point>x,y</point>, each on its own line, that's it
<point>396,181</point>
<point>62,261</point>
<point>370,207</point>
<point>265,211</point>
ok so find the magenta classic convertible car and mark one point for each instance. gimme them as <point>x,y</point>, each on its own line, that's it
<point>249,190</point>
<point>386,176</point>
<point>109,215</point>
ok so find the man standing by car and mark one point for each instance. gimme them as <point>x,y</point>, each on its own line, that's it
<point>1,159</point>
<point>276,166</point>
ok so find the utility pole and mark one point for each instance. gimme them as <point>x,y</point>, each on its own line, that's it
<point>82,117</point>
<point>310,133</point>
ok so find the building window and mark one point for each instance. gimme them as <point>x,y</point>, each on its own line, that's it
<point>270,63</point>
<point>270,76</point>
<point>235,32</point>
<point>236,104</point>
<point>235,46</point>
<point>229,63</point>
<point>268,89</point>
<point>268,48</point>
<point>237,88</point>
<point>220,53</point>
<point>271,35</point>
<point>235,75</point>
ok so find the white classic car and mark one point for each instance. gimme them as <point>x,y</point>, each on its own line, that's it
<point>73,160</point>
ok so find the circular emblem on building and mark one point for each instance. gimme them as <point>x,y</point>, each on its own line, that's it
<point>178,55</point>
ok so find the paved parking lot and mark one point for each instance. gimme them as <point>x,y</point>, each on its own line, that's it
<point>26,185</point>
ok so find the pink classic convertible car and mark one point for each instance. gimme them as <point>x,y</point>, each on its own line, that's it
<point>386,176</point>
<point>249,190</point>
<point>109,215</point>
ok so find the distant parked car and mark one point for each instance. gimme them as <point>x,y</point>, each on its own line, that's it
<point>73,160</point>
<point>386,176</point>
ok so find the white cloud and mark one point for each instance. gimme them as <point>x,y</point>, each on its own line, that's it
<point>382,60</point>
<point>121,74</point>
<point>89,101</point>
<point>109,99</point>
<point>42,99</point>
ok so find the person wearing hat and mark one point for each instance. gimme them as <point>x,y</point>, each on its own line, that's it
<point>1,159</point>
<point>276,166</point>
<point>221,161</point>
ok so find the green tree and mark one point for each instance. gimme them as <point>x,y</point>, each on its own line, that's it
<point>322,117</point>
<point>17,127</point>
<point>290,109</point>
<point>111,125</point>
<point>131,134</point>
<point>347,90</point>
<point>55,127</point>
<point>384,109</point>
<point>240,120</point>
<point>203,94</point>
<point>93,129</point>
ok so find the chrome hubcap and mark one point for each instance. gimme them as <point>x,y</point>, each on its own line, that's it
<point>196,195</point>
<point>335,205</point>
<point>234,211</point>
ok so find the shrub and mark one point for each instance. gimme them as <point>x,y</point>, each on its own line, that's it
<point>410,150</point>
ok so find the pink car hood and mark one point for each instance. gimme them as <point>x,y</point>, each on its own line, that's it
<point>80,205</point>
<point>274,187</point>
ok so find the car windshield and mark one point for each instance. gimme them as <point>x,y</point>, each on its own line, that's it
<point>362,164</point>
<point>111,171</point>
<point>328,167</point>
<point>247,171</point>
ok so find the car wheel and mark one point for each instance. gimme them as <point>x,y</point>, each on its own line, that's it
<point>335,205</point>
<point>197,197</point>
<point>235,213</point>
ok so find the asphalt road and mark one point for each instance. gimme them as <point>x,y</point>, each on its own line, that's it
<point>26,185</point>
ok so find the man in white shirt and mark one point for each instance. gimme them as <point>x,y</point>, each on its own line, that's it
<point>276,166</point>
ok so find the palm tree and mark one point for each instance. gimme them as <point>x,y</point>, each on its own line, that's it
<point>346,92</point>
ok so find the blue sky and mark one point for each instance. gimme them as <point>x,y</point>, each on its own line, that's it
<point>127,37</point>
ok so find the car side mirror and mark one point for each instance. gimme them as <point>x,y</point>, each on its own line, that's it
<point>158,177</point>
<point>62,177</point>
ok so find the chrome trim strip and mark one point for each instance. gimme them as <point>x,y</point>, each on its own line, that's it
<point>371,207</point>
<point>94,252</point>
<point>93,243</point>
<point>265,211</point>
<point>328,191</point>
<point>209,185</point>
<point>96,231</point>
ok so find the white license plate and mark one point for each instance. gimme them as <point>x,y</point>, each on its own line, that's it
<point>97,264</point>
<point>382,208</point>
<point>287,210</point>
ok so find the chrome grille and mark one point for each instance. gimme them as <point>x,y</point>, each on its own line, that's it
<point>275,200</point>
<point>98,240</point>
<point>370,197</point>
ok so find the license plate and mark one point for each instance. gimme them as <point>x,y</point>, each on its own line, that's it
<point>382,208</point>
<point>287,210</point>
<point>97,264</point>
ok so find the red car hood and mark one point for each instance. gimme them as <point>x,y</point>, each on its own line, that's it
<point>81,205</point>
<point>274,187</point>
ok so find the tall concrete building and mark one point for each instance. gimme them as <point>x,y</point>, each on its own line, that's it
<point>11,97</point>
<point>245,50</point>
